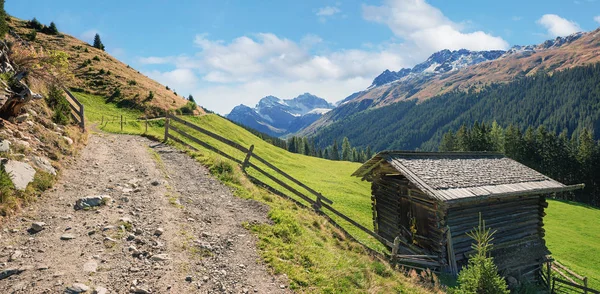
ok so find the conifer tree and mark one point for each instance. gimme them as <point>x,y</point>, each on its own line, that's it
<point>335,153</point>
<point>3,24</point>
<point>98,43</point>
<point>448,142</point>
<point>52,29</point>
<point>346,150</point>
<point>191,98</point>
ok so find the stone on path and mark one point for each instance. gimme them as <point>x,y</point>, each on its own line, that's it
<point>37,226</point>
<point>77,288</point>
<point>67,237</point>
<point>160,257</point>
<point>9,272</point>
<point>91,201</point>
<point>100,290</point>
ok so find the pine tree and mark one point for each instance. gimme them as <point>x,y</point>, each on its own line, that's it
<point>52,29</point>
<point>497,136</point>
<point>355,157</point>
<point>306,147</point>
<point>463,140</point>
<point>191,98</point>
<point>3,24</point>
<point>448,142</point>
<point>98,43</point>
<point>326,153</point>
<point>335,153</point>
<point>346,150</point>
<point>481,274</point>
<point>369,153</point>
<point>35,24</point>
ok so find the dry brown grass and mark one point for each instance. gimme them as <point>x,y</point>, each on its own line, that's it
<point>89,79</point>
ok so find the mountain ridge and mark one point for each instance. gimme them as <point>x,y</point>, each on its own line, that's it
<point>279,117</point>
<point>390,87</point>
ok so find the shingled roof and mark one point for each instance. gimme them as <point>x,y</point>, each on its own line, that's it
<point>457,176</point>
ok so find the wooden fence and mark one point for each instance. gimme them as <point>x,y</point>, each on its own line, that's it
<point>317,201</point>
<point>76,110</point>
<point>560,279</point>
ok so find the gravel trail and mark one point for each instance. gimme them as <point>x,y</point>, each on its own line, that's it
<point>169,227</point>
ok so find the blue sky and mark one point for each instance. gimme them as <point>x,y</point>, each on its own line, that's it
<point>230,52</point>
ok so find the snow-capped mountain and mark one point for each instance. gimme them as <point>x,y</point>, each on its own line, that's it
<point>438,63</point>
<point>279,117</point>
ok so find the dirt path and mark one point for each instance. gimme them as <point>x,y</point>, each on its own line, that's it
<point>203,247</point>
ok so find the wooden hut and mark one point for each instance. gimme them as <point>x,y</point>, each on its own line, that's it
<point>432,200</point>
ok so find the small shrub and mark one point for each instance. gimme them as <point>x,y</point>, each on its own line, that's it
<point>188,108</point>
<point>150,97</point>
<point>96,58</point>
<point>57,101</point>
<point>167,87</point>
<point>101,71</point>
<point>132,82</point>
<point>31,35</point>
<point>6,184</point>
<point>86,50</point>
<point>42,181</point>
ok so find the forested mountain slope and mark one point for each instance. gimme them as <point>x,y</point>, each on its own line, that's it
<point>567,100</point>
<point>551,56</point>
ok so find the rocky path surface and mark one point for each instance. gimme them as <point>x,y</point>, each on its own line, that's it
<point>168,227</point>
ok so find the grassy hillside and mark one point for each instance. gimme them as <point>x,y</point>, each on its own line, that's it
<point>97,72</point>
<point>573,237</point>
<point>572,229</point>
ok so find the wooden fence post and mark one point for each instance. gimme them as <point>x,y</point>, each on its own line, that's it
<point>146,124</point>
<point>396,247</point>
<point>82,117</point>
<point>121,122</point>
<point>247,159</point>
<point>102,122</point>
<point>585,285</point>
<point>317,206</point>
<point>166,128</point>
<point>548,271</point>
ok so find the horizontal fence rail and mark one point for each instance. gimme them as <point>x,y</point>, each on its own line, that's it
<point>320,202</point>
<point>565,282</point>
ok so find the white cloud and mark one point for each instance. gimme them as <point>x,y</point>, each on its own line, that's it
<point>181,79</point>
<point>558,26</point>
<point>517,18</point>
<point>428,28</point>
<point>89,35</point>
<point>225,73</point>
<point>597,18</point>
<point>328,11</point>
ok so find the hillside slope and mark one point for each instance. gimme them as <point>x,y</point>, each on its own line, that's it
<point>97,72</point>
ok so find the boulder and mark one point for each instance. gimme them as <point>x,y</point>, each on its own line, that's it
<point>21,118</point>
<point>4,146</point>
<point>21,173</point>
<point>91,201</point>
<point>44,164</point>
